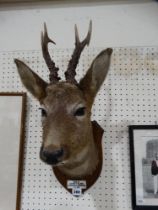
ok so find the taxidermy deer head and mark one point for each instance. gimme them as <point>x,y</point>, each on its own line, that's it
<point>68,141</point>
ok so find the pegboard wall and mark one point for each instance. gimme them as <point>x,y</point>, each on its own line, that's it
<point>129,96</point>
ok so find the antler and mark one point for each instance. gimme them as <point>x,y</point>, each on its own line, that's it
<point>53,76</point>
<point>79,46</point>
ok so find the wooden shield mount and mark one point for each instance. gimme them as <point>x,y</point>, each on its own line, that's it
<point>90,179</point>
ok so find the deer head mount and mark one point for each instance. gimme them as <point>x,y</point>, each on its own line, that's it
<point>69,136</point>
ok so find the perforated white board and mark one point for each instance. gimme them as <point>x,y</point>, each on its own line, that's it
<point>128,96</point>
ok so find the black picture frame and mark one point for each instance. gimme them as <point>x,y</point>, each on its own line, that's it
<point>149,138</point>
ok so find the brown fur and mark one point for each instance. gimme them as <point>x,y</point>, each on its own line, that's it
<point>71,133</point>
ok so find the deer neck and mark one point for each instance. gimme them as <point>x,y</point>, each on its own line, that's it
<point>85,163</point>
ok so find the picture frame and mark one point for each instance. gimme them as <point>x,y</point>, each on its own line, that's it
<point>144,178</point>
<point>12,124</point>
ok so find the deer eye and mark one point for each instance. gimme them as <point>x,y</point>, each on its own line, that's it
<point>80,111</point>
<point>43,112</point>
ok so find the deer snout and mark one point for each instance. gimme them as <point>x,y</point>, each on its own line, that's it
<point>51,157</point>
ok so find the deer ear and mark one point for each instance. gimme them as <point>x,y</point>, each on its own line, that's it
<point>31,80</point>
<point>95,76</point>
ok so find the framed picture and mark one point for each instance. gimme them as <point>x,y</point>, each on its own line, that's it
<point>144,166</point>
<point>12,111</point>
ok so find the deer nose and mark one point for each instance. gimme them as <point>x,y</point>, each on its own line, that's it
<point>51,157</point>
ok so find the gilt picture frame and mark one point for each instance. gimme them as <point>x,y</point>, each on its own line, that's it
<point>144,177</point>
<point>12,123</point>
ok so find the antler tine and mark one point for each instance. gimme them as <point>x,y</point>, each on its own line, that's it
<point>53,76</point>
<point>79,46</point>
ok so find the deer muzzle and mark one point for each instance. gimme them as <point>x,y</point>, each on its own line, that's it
<point>51,157</point>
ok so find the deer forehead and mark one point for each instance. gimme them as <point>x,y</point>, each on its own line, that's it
<point>65,95</point>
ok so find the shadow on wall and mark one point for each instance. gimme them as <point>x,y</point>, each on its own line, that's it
<point>20,4</point>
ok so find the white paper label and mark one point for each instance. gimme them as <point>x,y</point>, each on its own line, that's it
<point>77,186</point>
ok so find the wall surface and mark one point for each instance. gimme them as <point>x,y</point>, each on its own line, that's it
<point>125,23</point>
<point>129,96</point>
